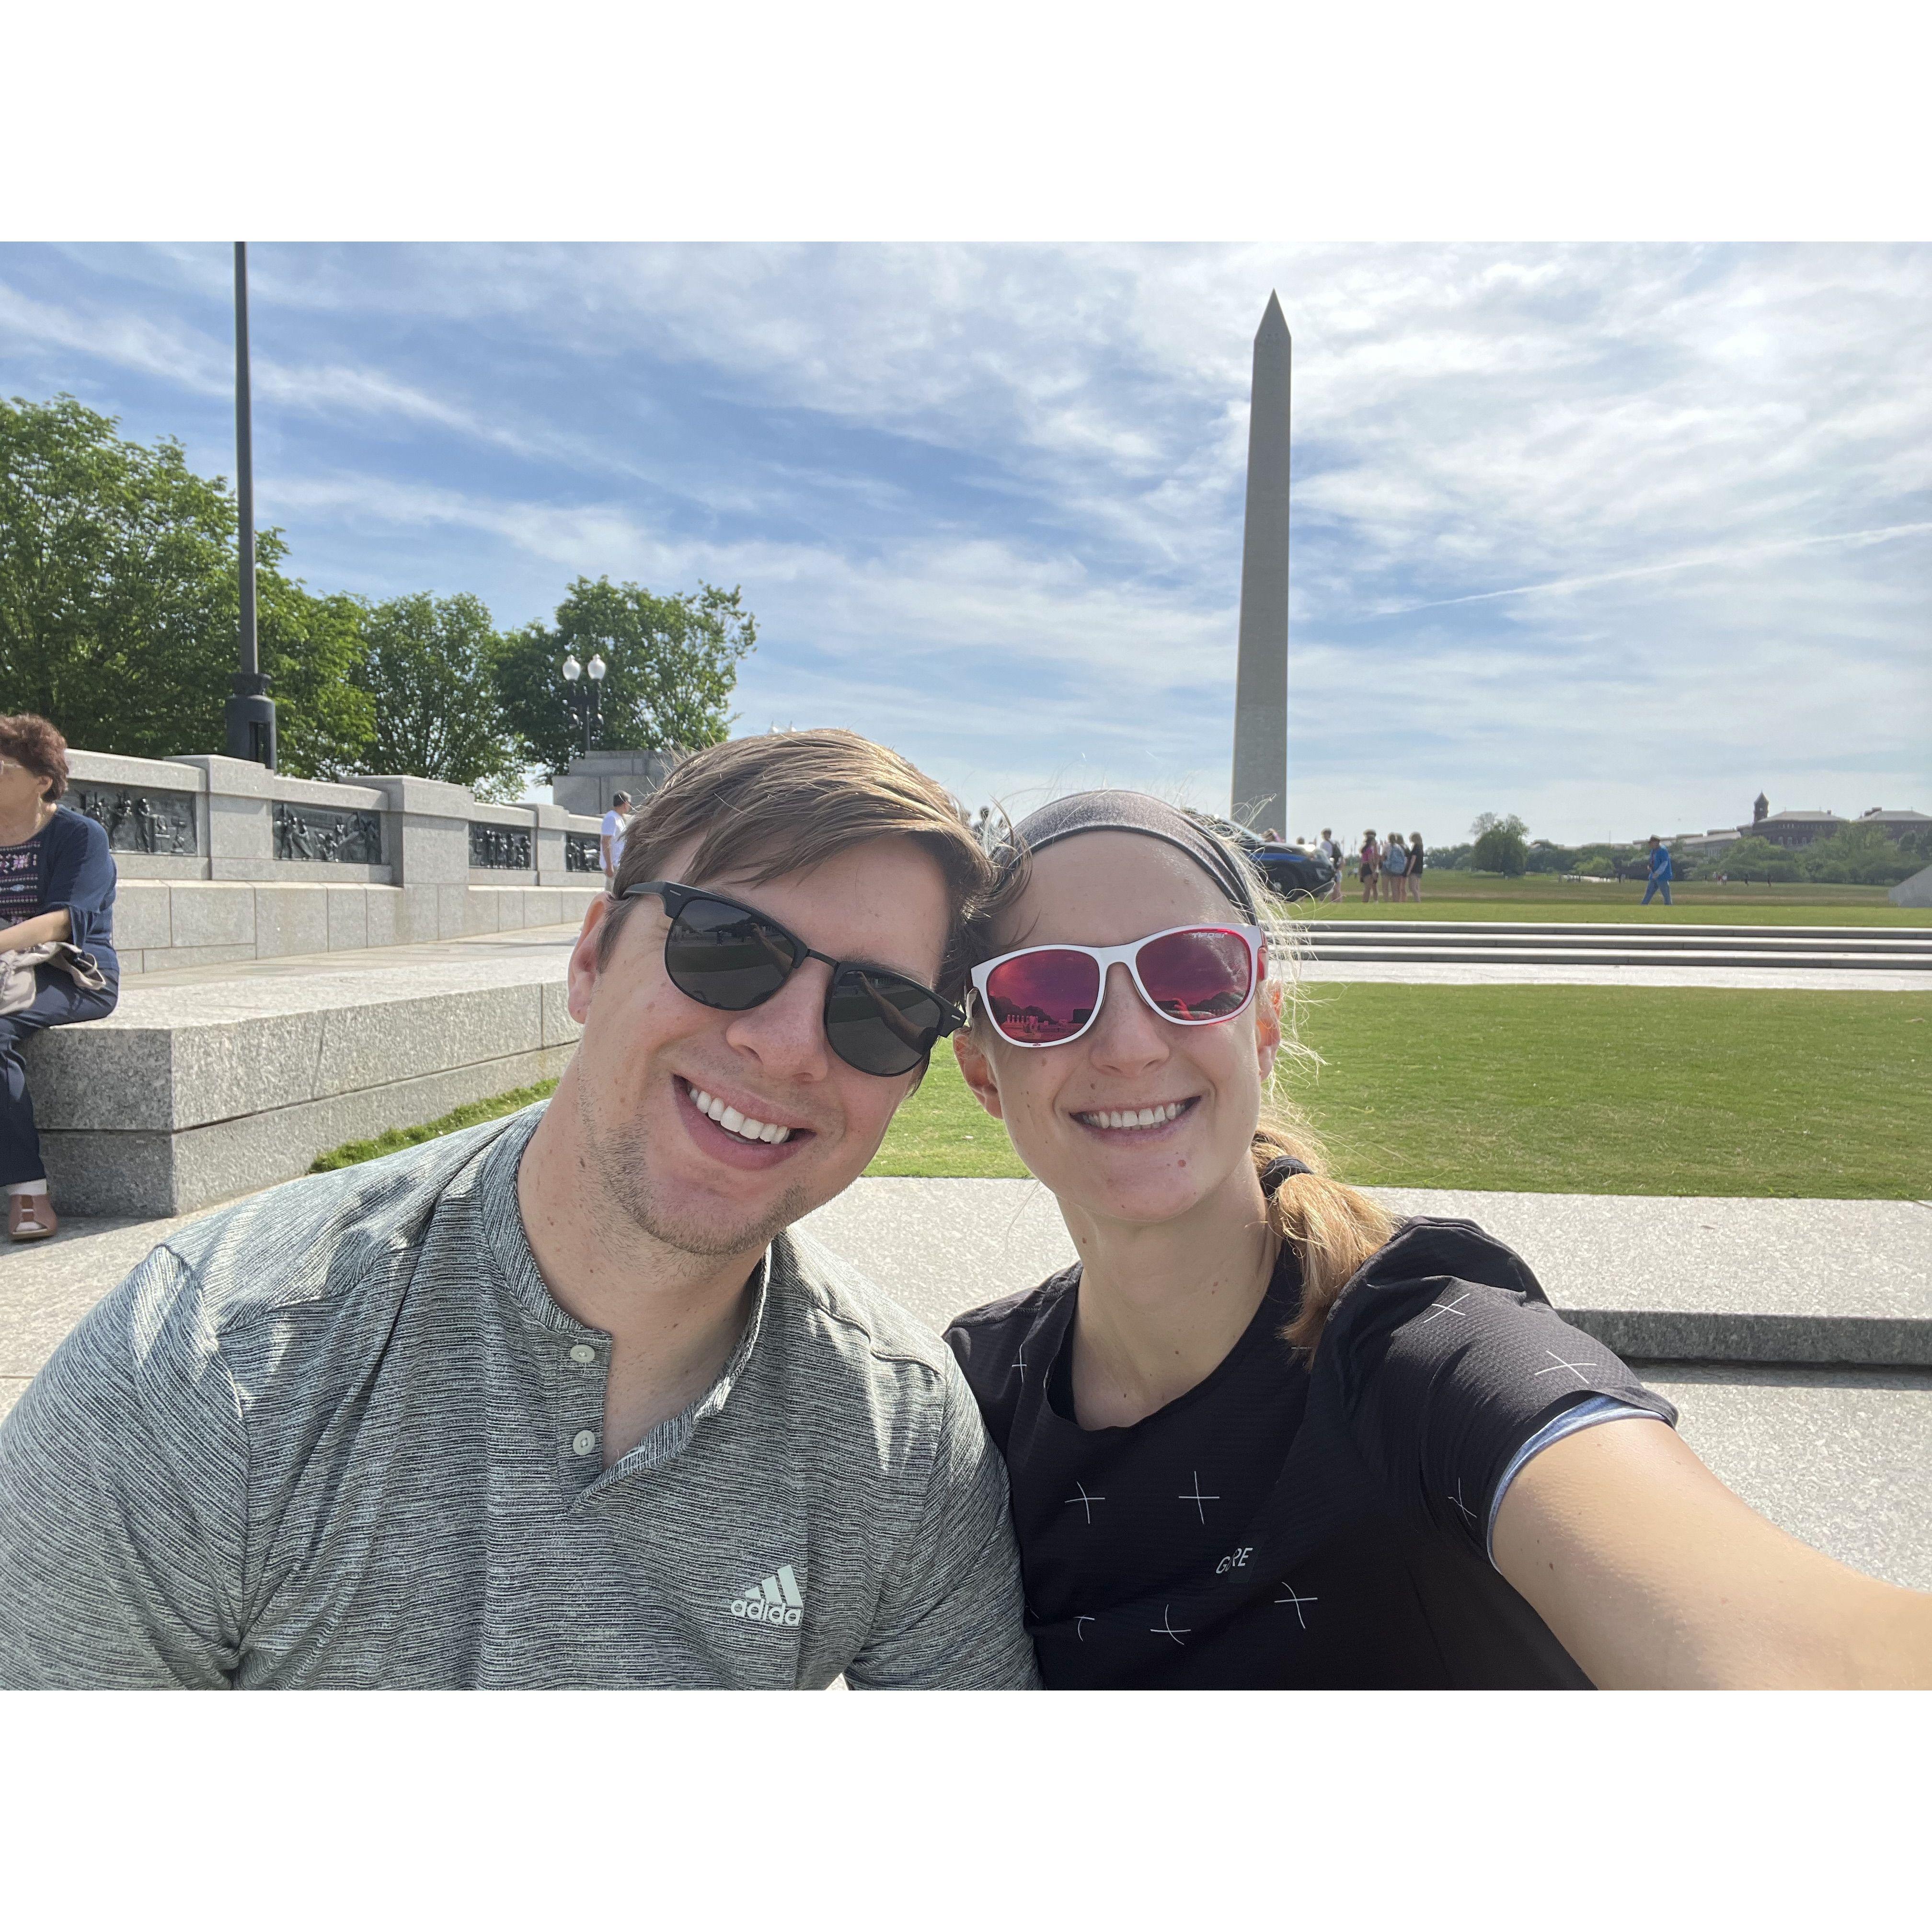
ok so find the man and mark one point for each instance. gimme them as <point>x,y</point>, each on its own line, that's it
<point>559,1400</point>
<point>1330,850</point>
<point>1660,871</point>
<point>612,840</point>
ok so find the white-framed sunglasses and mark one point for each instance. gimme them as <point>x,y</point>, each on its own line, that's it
<point>1190,975</point>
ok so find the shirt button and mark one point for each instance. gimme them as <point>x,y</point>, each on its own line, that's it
<point>583,1352</point>
<point>583,1442</point>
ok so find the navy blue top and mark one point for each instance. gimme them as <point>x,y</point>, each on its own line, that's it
<point>78,874</point>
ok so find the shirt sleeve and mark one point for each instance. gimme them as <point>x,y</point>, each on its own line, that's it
<point>950,1615</point>
<point>80,881</point>
<point>123,1511</point>
<point>1448,1380</point>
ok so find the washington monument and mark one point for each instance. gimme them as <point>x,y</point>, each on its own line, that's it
<point>1260,797</point>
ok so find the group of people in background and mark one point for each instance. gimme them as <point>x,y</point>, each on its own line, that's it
<point>1388,869</point>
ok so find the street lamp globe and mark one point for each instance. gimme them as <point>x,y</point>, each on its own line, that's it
<point>572,670</point>
<point>596,668</point>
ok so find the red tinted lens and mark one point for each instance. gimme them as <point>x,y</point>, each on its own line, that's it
<point>1042,997</point>
<point>1204,974</point>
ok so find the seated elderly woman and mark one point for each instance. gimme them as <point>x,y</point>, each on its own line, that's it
<point>57,879</point>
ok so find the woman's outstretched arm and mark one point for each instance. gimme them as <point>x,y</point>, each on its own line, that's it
<point>1654,1576</point>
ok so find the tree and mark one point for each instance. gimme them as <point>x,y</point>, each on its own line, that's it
<point>673,665</point>
<point>1856,855</point>
<point>119,593</point>
<point>1502,845</point>
<point>430,672</point>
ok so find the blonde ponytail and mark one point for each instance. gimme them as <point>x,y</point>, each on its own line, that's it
<point>1332,1228</point>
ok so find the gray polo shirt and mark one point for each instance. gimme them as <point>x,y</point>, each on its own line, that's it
<point>340,1435</point>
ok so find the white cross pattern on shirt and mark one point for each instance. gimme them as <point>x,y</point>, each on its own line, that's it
<point>1019,1362</point>
<point>1194,1497</point>
<point>1457,1500</point>
<point>1084,1500</point>
<point>1296,1601</point>
<point>1166,1627</point>
<point>1576,1368</point>
<point>1447,1308</point>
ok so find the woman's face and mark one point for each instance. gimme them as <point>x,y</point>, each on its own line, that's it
<point>21,790</point>
<point>1109,889</point>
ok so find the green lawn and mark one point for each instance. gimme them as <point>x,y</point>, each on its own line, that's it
<point>1587,1089</point>
<point>353,1152</point>
<point>1483,896</point>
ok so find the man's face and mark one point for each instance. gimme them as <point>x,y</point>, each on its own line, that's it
<point>678,1175</point>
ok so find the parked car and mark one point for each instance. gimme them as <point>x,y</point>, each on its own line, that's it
<point>1293,873</point>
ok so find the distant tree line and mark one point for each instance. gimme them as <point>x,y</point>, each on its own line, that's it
<point>118,609</point>
<point>1855,855</point>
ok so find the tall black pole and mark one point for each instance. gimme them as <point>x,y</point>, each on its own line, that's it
<point>251,711</point>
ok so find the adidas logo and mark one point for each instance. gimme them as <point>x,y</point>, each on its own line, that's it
<point>775,1601</point>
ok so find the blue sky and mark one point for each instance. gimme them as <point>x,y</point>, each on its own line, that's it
<point>1611,536</point>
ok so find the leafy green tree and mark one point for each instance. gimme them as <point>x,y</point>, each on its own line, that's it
<point>119,594</point>
<point>673,666</point>
<point>430,673</point>
<point>1755,858</point>
<point>1855,855</point>
<point>1501,845</point>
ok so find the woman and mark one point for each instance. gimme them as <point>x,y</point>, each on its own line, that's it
<point>1261,1434</point>
<point>1395,867</point>
<point>1415,856</point>
<point>1370,869</point>
<point>57,880</point>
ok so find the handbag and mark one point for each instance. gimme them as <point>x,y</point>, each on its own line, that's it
<point>18,985</point>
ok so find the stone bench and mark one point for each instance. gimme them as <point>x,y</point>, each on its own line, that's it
<point>196,1089</point>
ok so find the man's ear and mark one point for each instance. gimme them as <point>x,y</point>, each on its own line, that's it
<point>581,981</point>
<point>978,1071</point>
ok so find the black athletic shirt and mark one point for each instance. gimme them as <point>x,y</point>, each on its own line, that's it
<point>1277,1528</point>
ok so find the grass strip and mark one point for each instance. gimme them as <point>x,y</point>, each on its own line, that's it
<point>393,1141</point>
<point>1486,895</point>
<point>1584,1090</point>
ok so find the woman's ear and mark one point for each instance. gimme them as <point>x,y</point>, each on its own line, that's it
<point>1267,1027</point>
<point>978,1072</point>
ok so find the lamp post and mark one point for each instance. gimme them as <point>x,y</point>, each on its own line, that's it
<point>251,711</point>
<point>586,701</point>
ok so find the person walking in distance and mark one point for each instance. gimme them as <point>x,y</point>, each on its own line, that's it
<point>1659,880</point>
<point>613,839</point>
<point>1369,870</point>
<point>1415,867</point>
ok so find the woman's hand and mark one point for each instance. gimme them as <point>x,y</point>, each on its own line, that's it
<point>36,931</point>
<point>1654,1576</point>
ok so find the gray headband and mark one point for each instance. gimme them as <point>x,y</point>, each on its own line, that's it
<point>1152,818</point>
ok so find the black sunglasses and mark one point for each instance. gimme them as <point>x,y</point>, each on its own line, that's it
<point>724,954</point>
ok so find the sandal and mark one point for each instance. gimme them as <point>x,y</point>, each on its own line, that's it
<point>30,1217</point>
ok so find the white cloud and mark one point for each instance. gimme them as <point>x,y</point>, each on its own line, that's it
<point>1615,531</point>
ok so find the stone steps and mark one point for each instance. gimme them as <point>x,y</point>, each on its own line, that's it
<point>1405,942</point>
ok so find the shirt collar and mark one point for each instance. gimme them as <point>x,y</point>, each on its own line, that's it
<point>508,1245</point>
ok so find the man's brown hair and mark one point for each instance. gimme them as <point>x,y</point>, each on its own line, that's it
<point>765,807</point>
